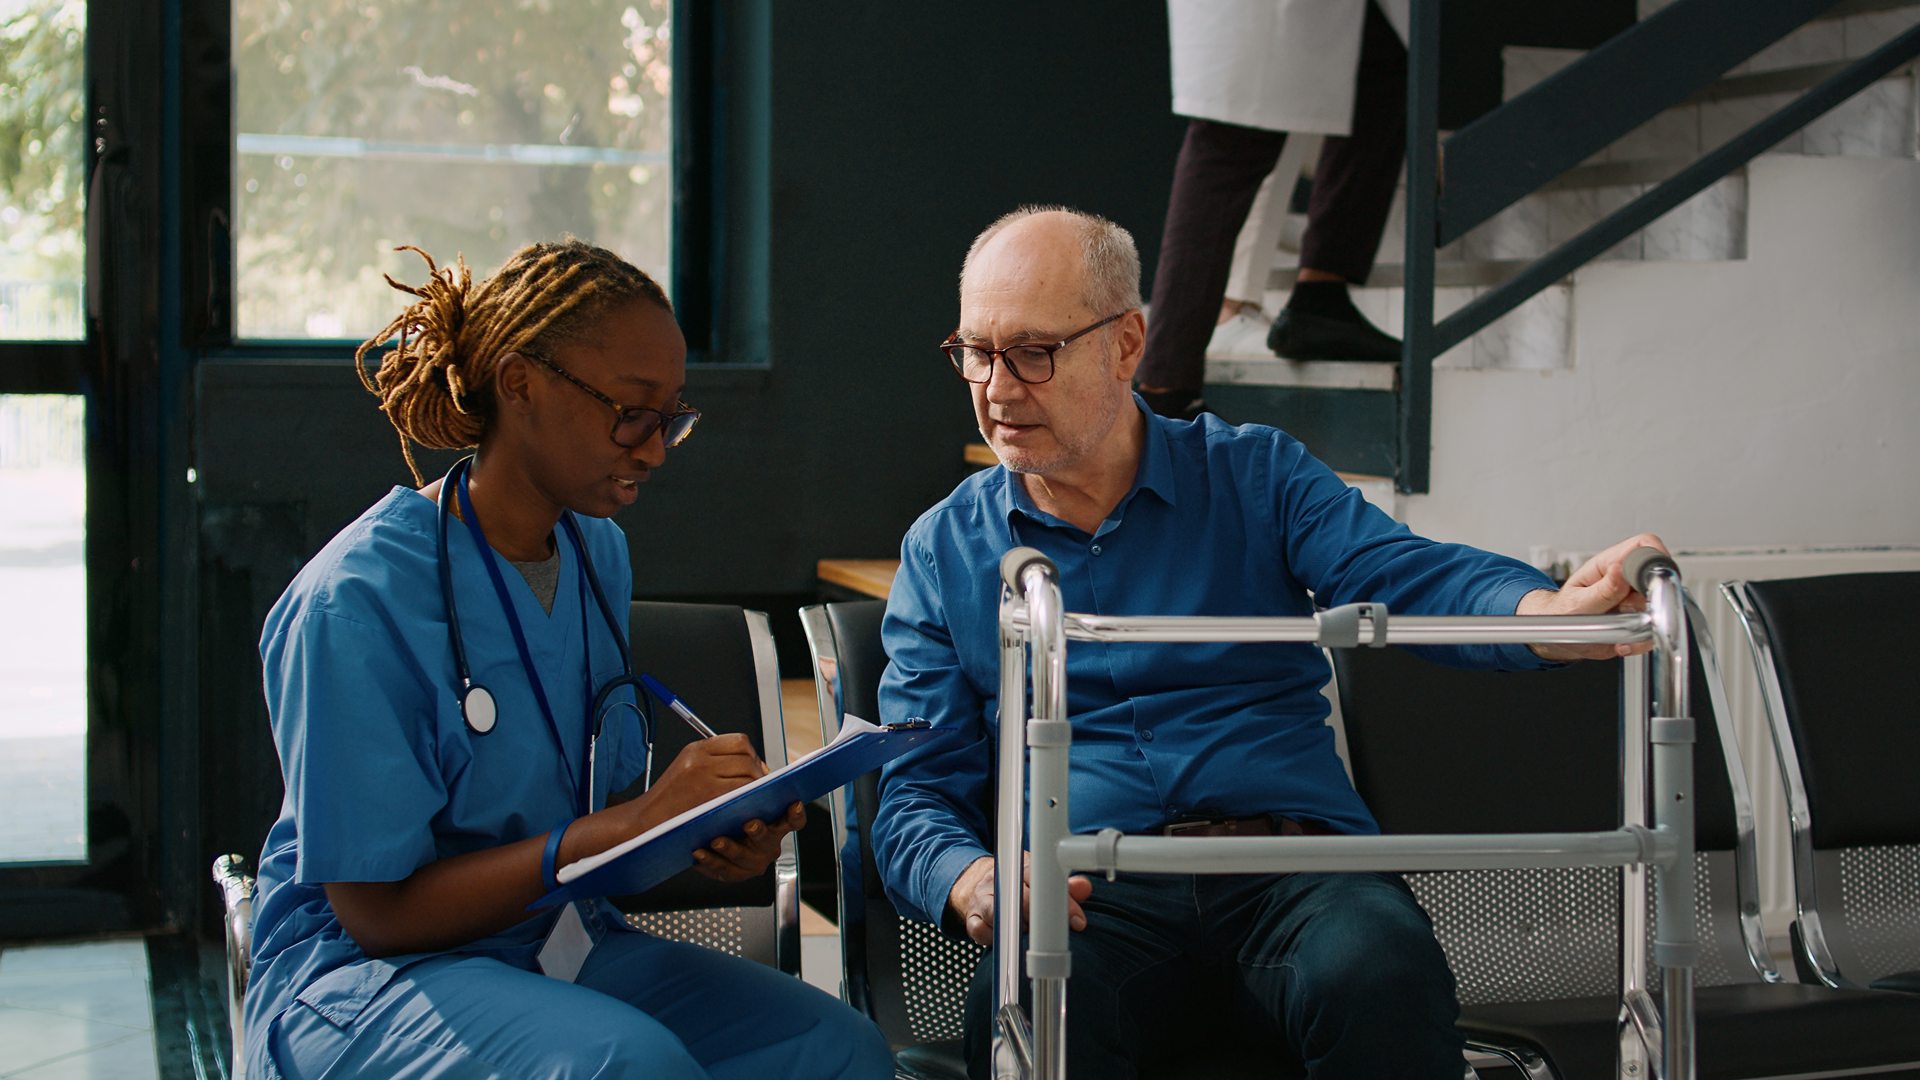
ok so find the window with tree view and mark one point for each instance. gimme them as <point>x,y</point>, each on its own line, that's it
<point>460,126</point>
<point>43,173</point>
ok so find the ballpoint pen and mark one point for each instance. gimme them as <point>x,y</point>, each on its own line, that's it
<point>679,707</point>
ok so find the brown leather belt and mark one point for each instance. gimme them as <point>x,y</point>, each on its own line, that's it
<point>1257,825</point>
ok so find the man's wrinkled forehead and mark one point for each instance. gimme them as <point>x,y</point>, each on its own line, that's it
<point>1024,284</point>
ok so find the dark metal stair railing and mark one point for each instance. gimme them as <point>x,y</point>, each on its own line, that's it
<point>1527,142</point>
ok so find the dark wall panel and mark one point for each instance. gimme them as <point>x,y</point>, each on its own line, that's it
<point>896,133</point>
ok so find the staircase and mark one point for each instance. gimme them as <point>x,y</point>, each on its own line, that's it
<point>1348,413</point>
<point>1703,389</point>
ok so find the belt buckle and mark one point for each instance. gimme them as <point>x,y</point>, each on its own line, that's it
<point>1179,828</point>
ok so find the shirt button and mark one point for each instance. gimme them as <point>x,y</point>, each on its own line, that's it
<point>1095,549</point>
<point>1146,736</point>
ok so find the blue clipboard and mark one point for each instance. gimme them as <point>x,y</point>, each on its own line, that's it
<point>658,854</point>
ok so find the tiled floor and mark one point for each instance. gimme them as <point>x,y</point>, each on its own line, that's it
<point>76,1012</point>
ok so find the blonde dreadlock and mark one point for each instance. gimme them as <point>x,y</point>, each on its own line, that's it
<point>435,384</point>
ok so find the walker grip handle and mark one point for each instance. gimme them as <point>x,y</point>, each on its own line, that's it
<point>1640,563</point>
<point>1015,562</point>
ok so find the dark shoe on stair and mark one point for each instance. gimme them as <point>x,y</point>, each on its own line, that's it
<point>1300,335</point>
<point>1178,404</point>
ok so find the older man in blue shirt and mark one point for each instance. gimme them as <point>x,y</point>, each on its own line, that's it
<point>1146,515</point>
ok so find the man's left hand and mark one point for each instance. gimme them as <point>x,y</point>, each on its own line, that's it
<point>1599,587</point>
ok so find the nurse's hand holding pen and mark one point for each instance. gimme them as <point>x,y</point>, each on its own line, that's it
<point>706,769</point>
<point>728,858</point>
<point>461,898</point>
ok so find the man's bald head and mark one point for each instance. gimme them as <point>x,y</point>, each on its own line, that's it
<point>1109,263</point>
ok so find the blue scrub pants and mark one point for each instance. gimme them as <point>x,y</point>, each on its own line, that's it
<point>642,1007</point>
<point>1339,973</point>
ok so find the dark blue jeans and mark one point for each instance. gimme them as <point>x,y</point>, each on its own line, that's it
<point>1339,973</point>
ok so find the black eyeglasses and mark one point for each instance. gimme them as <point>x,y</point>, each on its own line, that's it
<point>1030,363</point>
<point>633,425</point>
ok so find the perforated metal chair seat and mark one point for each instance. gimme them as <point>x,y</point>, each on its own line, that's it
<point>1744,1030</point>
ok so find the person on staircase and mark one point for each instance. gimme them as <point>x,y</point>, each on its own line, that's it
<point>1245,73</point>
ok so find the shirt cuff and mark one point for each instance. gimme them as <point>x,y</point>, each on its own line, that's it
<point>938,880</point>
<point>1503,601</point>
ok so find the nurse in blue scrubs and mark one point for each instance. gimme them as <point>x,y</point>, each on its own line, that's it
<point>391,933</point>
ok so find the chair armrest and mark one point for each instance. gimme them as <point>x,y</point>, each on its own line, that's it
<point>236,897</point>
<point>786,907</point>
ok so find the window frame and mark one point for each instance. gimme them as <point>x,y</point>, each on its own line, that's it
<point>118,366</point>
<point>697,231</point>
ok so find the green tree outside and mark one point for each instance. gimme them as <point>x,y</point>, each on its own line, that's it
<point>42,167</point>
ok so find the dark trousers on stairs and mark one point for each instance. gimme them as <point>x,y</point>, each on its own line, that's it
<point>1215,179</point>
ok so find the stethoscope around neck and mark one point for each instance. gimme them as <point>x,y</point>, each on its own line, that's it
<point>478,707</point>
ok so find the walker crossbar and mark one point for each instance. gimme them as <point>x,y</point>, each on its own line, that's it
<point>1400,630</point>
<point>1656,796</point>
<point>1108,851</point>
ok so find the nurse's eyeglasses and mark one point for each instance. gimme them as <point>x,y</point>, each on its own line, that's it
<point>633,425</point>
<point>1030,363</point>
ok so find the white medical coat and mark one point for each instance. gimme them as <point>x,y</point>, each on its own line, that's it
<point>1282,65</point>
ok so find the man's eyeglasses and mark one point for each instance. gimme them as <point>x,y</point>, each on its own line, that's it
<point>1030,363</point>
<point>633,425</point>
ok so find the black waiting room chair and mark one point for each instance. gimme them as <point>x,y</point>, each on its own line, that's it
<point>1832,655</point>
<point>1536,952</point>
<point>904,974</point>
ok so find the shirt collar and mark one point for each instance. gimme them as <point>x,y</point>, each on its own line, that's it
<point>1156,468</point>
<point>1155,474</point>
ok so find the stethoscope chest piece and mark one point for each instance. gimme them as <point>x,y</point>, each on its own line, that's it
<point>478,707</point>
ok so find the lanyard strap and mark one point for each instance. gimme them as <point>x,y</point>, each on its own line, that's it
<point>513,623</point>
<point>580,573</point>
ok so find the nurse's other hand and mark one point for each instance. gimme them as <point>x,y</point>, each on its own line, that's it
<point>703,770</point>
<point>740,858</point>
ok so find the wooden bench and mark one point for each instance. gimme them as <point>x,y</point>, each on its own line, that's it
<point>857,578</point>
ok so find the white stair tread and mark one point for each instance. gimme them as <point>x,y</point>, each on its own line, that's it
<point>1321,374</point>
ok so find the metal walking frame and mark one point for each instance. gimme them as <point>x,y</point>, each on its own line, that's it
<point>1656,799</point>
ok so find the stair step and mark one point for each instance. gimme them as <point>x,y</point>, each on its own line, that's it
<point>1779,81</point>
<point>1840,10</point>
<point>867,577</point>
<point>1321,374</point>
<point>1866,7</point>
<point>1478,273</point>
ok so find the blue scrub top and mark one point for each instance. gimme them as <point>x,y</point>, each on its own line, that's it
<point>382,774</point>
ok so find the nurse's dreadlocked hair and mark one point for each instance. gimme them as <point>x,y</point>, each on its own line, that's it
<point>435,384</point>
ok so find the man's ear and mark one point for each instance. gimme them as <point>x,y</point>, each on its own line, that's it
<point>513,383</point>
<point>1130,344</point>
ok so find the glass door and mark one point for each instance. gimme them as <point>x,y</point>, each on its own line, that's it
<point>43,628</point>
<point>75,842</point>
<point>43,483</point>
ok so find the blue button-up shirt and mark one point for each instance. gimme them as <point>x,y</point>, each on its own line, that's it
<point>1220,521</point>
